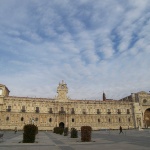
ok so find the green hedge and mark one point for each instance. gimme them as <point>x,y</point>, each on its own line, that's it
<point>66,131</point>
<point>74,133</point>
<point>86,133</point>
<point>30,130</point>
<point>58,130</point>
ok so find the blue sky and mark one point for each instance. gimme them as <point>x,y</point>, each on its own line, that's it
<point>94,46</point>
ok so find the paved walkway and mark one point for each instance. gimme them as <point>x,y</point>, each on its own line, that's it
<point>101,140</point>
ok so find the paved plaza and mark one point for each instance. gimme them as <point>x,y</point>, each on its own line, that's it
<point>101,140</point>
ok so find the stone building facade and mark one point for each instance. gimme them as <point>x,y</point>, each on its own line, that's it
<point>130,112</point>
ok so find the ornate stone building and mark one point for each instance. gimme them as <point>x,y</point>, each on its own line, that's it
<point>130,112</point>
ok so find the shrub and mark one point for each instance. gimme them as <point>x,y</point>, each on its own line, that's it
<point>86,133</point>
<point>66,131</point>
<point>30,130</point>
<point>74,133</point>
<point>61,130</point>
<point>36,132</point>
<point>58,130</point>
<point>54,130</point>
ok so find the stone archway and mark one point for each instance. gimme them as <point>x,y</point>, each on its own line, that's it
<point>61,124</point>
<point>147,118</point>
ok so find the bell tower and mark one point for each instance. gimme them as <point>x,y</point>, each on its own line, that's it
<point>104,96</point>
<point>3,93</point>
<point>62,91</point>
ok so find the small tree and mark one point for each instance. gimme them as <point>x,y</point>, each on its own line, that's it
<point>58,130</point>
<point>66,131</point>
<point>74,133</point>
<point>86,133</point>
<point>30,130</point>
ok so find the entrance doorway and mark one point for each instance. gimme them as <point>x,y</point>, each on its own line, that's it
<point>147,118</point>
<point>61,125</point>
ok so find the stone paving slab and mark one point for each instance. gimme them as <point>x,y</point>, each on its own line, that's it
<point>101,140</point>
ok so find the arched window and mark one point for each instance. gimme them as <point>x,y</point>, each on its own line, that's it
<point>72,119</point>
<point>119,120</point>
<point>98,120</point>
<point>144,101</point>
<point>109,120</point>
<point>50,119</point>
<point>128,119</point>
<point>7,118</point>
<point>22,118</point>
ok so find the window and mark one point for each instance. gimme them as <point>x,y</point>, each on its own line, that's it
<point>108,111</point>
<point>109,120</point>
<point>50,119</point>
<point>22,118</point>
<point>128,111</point>
<point>119,120</point>
<point>129,120</point>
<point>84,111</point>
<point>23,109</point>
<point>98,120</point>
<point>37,110</point>
<point>9,108</point>
<point>50,110</point>
<point>36,119</point>
<point>7,118</point>
<point>119,111</point>
<point>62,108</point>
<point>98,111</point>
<point>72,119</point>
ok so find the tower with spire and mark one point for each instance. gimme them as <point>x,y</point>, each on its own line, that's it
<point>104,97</point>
<point>62,91</point>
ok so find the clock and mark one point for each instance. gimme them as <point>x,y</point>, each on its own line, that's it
<point>1,91</point>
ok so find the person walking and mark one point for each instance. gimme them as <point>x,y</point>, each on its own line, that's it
<point>120,130</point>
<point>15,130</point>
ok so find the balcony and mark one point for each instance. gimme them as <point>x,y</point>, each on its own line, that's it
<point>98,112</point>
<point>23,110</point>
<point>50,112</point>
<point>37,111</point>
<point>8,110</point>
<point>109,113</point>
<point>84,113</point>
<point>62,112</point>
<point>118,112</point>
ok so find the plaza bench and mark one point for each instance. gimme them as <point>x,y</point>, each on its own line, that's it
<point>1,136</point>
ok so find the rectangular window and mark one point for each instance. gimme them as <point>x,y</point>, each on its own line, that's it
<point>62,109</point>
<point>98,111</point>
<point>37,110</point>
<point>50,110</point>
<point>23,109</point>
<point>50,119</point>
<point>108,111</point>
<point>84,111</point>
<point>119,111</point>
<point>128,111</point>
<point>9,108</point>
